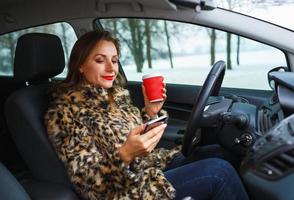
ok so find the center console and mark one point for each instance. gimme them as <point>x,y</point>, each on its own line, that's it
<point>268,167</point>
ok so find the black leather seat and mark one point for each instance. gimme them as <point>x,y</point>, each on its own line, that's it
<point>38,57</point>
<point>10,189</point>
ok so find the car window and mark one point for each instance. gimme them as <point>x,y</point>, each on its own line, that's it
<point>184,53</point>
<point>8,43</point>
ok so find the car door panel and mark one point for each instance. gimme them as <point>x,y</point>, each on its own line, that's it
<point>180,102</point>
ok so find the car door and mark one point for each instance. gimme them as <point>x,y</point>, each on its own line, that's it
<point>184,54</point>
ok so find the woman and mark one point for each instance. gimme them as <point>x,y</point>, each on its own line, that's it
<point>96,132</point>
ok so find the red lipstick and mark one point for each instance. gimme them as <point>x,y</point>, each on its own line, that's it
<point>109,78</point>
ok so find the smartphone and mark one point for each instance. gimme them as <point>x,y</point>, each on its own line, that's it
<point>155,122</point>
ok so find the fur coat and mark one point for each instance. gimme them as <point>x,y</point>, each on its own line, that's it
<point>86,131</point>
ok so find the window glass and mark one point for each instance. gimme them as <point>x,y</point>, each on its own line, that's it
<point>184,53</point>
<point>8,43</point>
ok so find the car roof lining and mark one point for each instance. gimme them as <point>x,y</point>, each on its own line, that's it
<point>15,16</point>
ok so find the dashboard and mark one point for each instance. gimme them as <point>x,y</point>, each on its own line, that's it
<point>268,166</point>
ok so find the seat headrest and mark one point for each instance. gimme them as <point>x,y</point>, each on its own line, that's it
<point>38,56</point>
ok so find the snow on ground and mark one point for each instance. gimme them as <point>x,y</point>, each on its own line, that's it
<point>251,73</point>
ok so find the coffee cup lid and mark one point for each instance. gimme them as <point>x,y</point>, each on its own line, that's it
<point>151,75</point>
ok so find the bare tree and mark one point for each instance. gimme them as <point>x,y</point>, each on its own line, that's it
<point>229,63</point>
<point>137,43</point>
<point>168,44</point>
<point>130,32</point>
<point>212,36</point>
<point>244,6</point>
<point>148,42</point>
<point>238,50</point>
<point>230,4</point>
<point>114,24</point>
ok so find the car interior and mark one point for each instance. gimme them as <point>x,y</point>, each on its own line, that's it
<point>255,125</point>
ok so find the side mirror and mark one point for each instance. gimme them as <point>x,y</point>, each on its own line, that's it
<point>271,82</point>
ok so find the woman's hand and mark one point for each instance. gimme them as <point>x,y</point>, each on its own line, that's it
<point>153,108</point>
<point>140,144</point>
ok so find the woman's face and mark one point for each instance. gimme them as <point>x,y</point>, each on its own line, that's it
<point>101,66</point>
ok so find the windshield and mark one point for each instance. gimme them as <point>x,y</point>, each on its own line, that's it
<point>279,12</point>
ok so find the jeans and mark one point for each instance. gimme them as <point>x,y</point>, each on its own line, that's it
<point>210,151</point>
<point>211,178</point>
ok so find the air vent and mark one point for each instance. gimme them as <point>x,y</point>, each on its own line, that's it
<point>264,121</point>
<point>276,167</point>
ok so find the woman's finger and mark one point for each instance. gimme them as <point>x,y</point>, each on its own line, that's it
<point>137,130</point>
<point>151,144</point>
<point>164,96</point>
<point>153,132</point>
<point>144,93</point>
<point>150,139</point>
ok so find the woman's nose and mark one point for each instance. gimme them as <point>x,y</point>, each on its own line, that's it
<point>109,65</point>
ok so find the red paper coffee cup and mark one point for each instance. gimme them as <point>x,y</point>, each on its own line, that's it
<point>153,84</point>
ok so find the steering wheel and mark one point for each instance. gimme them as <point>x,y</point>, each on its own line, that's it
<point>210,87</point>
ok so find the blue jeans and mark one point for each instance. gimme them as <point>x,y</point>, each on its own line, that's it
<point>211,178</point>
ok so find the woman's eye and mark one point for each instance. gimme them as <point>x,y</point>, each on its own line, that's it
<point>99,61</point>
<point>115,61</point>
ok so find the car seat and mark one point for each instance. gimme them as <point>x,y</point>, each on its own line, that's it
<point>10,189</point>
<point>38,57</point>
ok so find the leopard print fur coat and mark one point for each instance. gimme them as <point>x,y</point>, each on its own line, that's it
<point>86,130</point>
